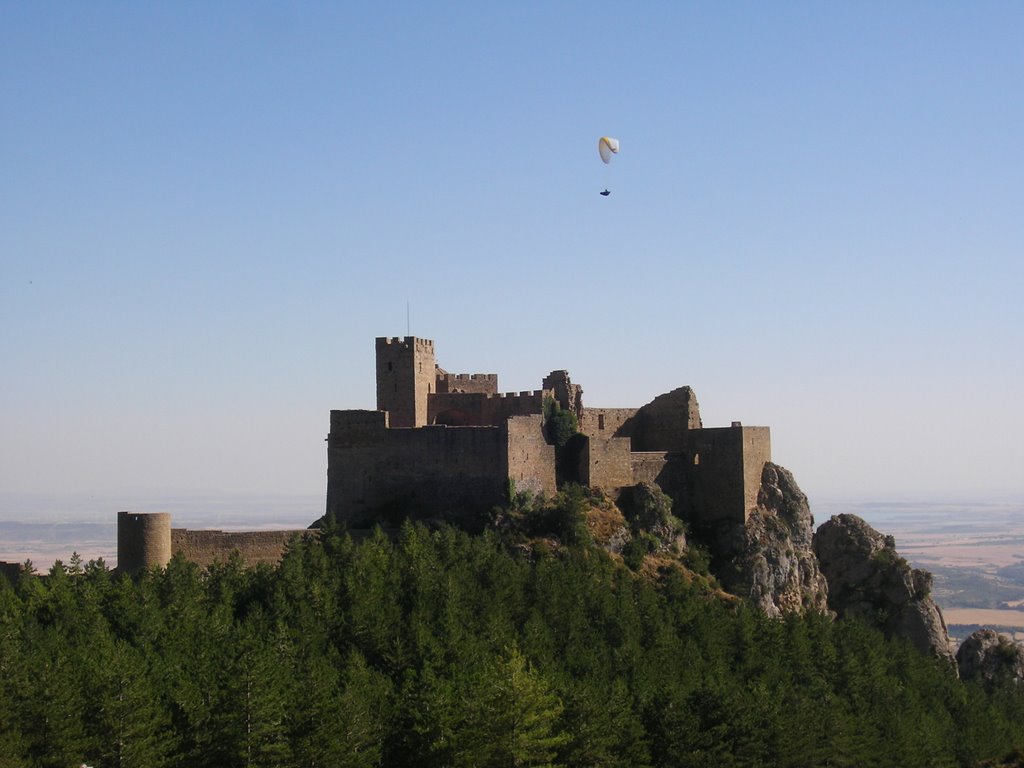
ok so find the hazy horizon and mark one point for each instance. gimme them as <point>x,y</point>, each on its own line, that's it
<point>44,528</point>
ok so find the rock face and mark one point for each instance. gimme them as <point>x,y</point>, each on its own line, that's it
<point>770,559</point>
<point>649,509</point>
<point>991,658</point>
<point>868,579</point>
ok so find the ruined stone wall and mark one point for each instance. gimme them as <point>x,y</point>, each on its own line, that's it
<point>208,547</point>
<point>530,460</point>
<point>606,463</point>
<point>757,451</point>
<point>426,472</point>
<point>482,383</point>
<point>567,394</point>
<point>662,424</point>
<point>607,422</point>
<point>143,540</point>
<point>473,409</point>
<point>406,376</point>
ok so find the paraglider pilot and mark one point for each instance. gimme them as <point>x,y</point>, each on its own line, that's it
<point>606,147</point>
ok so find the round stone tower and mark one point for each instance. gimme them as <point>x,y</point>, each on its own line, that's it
<point>143,540</point>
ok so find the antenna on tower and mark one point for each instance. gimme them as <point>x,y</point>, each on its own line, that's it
<point>408,331</point>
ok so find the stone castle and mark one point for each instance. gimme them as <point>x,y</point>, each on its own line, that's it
<point>450,447</point>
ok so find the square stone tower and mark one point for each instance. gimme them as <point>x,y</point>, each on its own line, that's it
<point>405,377</point>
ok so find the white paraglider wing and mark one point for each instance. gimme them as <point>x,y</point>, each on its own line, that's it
<point>607,146</point>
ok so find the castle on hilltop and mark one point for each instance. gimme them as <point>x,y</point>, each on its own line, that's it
<point>450,446</point>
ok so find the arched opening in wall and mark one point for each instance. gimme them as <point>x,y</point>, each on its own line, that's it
<point>455,417</point>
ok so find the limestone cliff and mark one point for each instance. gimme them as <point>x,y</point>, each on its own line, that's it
<point>770,560</point>
<point>868,579</point>
<point>991,658</point>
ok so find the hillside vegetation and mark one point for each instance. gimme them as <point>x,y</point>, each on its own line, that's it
<point>437,648</point>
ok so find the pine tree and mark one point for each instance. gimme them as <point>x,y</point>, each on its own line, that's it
<point>313,717</point>
<point>363,711</point>
<point>11,743</point>
<point>249,719</point>
<point>130,722</point>
<point>50,703</point>
<point>514,719</point>
<point>603,727</point>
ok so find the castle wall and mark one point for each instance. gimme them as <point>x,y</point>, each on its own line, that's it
<point>477,409</point>
<point>724,471</point>
<point>406,376</point>
<point>454,472</point>
<point>606,463</point>
<point>208,547</point>
<point>648,467</point>
<point>358,427</point>
<point>607,422</point>
<point>479,383</point>
<point>143,540</point>
<point>530,460</point>
<point>757,451</point>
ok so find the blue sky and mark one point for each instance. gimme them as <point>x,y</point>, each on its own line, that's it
<point>209,210</point>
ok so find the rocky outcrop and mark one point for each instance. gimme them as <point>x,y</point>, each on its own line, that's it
<point>649,510</point>
<point>868,579</point>
<point>770,559</point>
<point>991,658</point>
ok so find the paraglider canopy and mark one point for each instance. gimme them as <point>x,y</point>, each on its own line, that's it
<point>606,147</point>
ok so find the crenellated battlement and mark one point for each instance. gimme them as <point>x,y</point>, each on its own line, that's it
<point>466,382</point>
<point>404,341</point>
<point>471,376</point>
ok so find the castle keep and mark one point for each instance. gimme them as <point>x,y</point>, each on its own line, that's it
<point>450,446</point>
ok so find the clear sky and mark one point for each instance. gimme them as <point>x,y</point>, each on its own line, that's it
<point>209,210</point>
